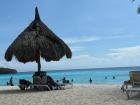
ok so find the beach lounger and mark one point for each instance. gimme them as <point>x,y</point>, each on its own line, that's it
<point>54,85</point>
<point>24,84</point>
<point>39,87</point>
<point>132,89</point>
<point>69,84</point>
<point>134,83</point>
<point>46,83</point>
<point>125,85</point>
<point>41,83</point>
<point>66,83</point>
<point>134,80</point>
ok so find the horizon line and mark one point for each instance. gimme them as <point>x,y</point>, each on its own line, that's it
<point>83,69</point>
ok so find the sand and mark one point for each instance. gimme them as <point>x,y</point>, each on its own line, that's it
<point>78,95</point>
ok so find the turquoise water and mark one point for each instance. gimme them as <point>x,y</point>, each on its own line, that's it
<point>79,76</point>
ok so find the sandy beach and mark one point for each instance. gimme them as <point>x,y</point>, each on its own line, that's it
<point>78,95</point>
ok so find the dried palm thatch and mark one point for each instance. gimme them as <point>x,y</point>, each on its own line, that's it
<point>36,41</point>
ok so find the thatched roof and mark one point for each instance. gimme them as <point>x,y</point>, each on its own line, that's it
<point>35,41</point>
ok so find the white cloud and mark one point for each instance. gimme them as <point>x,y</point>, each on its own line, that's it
<point>81,57</point>
<point>81,39</point>
<point>80,61</point>
<point>77,48</point>
<point>31,66</point>
<point>128,52</point>
<point>119,57</point>
<point>118,36</point>
<point>90,38</point>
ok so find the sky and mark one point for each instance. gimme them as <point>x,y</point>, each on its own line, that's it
<point>100,33</point>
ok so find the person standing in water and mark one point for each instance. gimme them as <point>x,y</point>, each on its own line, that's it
<point>11,81</point>
<point>90,80</point>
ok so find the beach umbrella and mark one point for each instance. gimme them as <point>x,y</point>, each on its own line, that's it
<point>37,41</point>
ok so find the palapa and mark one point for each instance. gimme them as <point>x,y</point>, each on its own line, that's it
<point>36,41</point>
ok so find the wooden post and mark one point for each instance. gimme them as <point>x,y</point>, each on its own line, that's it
<point>39,65</point>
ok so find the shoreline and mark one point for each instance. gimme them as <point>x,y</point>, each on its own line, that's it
<point>77,84</point>
<point>80,94</point>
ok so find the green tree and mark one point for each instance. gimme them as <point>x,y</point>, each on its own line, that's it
<point>138,9</point>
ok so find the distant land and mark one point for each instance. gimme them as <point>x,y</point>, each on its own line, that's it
<point>7,71</point>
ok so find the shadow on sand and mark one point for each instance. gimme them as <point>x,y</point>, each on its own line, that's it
<point>18,91</point>
<point>135,97</point>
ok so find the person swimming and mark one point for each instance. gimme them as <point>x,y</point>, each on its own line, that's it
<point>113,77</point>
<point>90,80</point>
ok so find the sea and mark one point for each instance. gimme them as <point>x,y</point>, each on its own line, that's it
<point>115,75</point>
